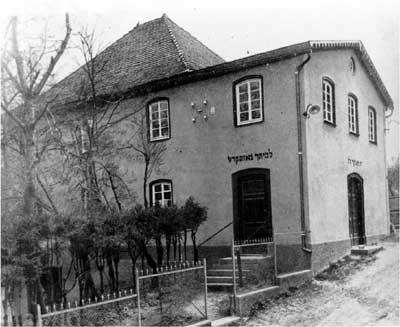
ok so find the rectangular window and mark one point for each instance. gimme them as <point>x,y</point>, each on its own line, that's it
<point>161,193</point>
<point>249,102</point>
<point>372,125</point>
<point>328,101</point>
<point>353,115</point>
<point>159,120</point>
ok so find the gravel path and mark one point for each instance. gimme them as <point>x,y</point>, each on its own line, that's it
<point>359,292</point>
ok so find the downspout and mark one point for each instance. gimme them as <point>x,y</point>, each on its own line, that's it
<point>300,153</point>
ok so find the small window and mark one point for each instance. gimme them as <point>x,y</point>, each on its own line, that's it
<point>328,101</point>
<point>353,114</point>
<point>352,65</point>
<point>159,120</point>
<point>248,104</point>
<point>161,193</point>
<point>372,125</point>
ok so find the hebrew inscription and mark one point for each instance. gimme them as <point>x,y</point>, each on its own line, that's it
<point>250,157</point>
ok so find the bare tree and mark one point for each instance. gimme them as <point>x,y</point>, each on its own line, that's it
<point>25,76</point>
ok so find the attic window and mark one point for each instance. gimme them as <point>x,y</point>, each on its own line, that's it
<point>159,120</point>
<point>352,66</point>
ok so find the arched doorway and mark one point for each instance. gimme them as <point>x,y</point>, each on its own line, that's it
<point>252,204</point>
<point>356,209</point>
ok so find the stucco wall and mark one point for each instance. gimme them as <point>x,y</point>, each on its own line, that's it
<point>329,149</point>
<point>197,153</point>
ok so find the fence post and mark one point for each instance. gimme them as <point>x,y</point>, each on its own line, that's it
<point>234,275</point>
<point>138,296</point>
<point>275,260</point>
<point>205,287</point>
<point>240,268</point>
<point>39,316</point>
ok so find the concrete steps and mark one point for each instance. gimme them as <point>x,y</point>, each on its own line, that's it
<point>220,276</point>
<point>365,249</point>
<point>226,321</point>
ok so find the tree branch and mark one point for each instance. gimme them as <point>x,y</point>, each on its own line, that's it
<point>54,60</point>
<point>13,117</point>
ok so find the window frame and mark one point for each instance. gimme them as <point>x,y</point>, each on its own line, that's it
<point>149,120</point>
<point>236,102</point>
<point>152,193</point>
<point>375,139</point>
<point>355,132</point>
<point>328,81</point>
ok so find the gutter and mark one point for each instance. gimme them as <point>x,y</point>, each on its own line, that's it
<point>300,152</point>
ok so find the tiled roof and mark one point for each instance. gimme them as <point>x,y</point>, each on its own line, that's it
<point>151,51</point>
<point>265,58</point>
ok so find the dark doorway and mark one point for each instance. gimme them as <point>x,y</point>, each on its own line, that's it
<point>252,204</point>
<point>356,209</point>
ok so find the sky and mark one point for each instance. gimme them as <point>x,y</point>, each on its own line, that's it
<point>235,29</point>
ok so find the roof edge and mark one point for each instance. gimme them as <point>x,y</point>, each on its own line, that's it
<point>275,55</point>
<point>181,55</point>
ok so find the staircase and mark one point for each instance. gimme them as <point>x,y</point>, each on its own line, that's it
<point>220,276</point>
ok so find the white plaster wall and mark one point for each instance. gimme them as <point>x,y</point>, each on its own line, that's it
<point>329,148</point>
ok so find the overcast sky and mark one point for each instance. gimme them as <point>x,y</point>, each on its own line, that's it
<point>235,29</point>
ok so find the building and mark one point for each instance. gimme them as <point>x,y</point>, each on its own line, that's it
<point>285,145</point>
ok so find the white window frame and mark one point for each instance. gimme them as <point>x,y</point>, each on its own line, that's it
<point>249,102</point>
<point>372,125</point>
<point>158,115</point>
<point>328,101</point>
<point>352,114</point>
<point>165,186</point>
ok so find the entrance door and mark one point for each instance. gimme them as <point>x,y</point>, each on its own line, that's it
<point>252,204</point>
<point>356,209</point>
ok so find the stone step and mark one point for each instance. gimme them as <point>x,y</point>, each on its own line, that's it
<point>223,272</point>
<point>365,249</point>
<point>226,321</point>
<point>220,279</point>
<point>201,323</point>
<point>220,286</point>
<point>247,264</point>
<point>246,257</point>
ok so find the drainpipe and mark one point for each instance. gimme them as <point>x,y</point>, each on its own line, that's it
<point>300,152</point>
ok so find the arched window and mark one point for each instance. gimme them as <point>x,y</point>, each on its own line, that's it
<point>372,125</point>
<point>353,114</point>
<point>328,101</point>
<point>352,65</point>
<point>161,192</point>
<point>158,120</point>
<point>248,100</point>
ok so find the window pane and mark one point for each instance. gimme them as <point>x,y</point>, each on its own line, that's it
<point>156,124</point>
<point>154,115</point>
<point>244,116</point>
<point>164,131</point>
<point>156,132</point>
<point>164,122</point>
<point>157,196</point>
<point>255,95</point>
<point>154,107</point>
<point>243,88</point>
<point>167,187</point>
<point>164,105</point>
<point>243,97</point>
<point>167,195</point>
<point>254,85</point>
<point>164,114</point>
<point>255,104</point>
<point>255,114</point>
<point>244,107</point>
<point>157,188</point>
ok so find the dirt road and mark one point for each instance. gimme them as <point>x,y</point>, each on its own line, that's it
<point>358,292</point>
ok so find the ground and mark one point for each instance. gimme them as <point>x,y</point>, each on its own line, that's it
<point>357,291</point>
